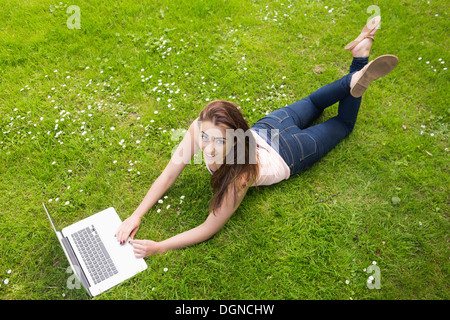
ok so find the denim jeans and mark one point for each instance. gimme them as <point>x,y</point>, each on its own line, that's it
<point>300,145</point>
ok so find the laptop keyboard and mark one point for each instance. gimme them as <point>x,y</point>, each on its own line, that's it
<point>94,254</point>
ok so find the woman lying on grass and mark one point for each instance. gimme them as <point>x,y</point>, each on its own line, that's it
<point>275,148</point>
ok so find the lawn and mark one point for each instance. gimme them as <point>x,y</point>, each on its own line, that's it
<point>89,117</point>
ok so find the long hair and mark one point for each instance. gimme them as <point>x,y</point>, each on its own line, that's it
<point>241,161</point>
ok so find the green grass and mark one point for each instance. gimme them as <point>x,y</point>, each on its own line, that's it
<point>299,239</point>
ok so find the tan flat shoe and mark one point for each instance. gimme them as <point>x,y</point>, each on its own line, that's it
<point>367,32</point>
<point>375,69</point>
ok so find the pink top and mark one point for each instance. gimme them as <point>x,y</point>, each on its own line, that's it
<point>272,167</point>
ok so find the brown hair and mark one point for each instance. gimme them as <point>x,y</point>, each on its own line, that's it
<point>238,164</point>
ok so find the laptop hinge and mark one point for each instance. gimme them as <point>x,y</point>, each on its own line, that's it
<point>79,271</point>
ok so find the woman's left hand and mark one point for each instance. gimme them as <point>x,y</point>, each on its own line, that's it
<point>144,248</point>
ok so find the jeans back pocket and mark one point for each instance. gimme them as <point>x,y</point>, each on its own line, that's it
<point>307,145</point>
<point>279,115</point>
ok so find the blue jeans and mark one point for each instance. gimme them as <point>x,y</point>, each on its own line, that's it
<point>300,146</point>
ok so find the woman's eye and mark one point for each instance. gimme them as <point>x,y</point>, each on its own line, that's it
<point>204,138</point>
<point>220,141</point>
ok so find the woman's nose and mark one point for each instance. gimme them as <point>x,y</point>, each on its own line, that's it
<point>210,148</point>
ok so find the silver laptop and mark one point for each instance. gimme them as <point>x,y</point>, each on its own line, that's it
<point>98,260</point>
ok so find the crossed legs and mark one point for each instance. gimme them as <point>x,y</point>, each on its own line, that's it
<point>333,130</point>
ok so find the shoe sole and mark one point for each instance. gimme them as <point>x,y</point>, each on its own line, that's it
<point>377,68</point>
<point>369,27</point>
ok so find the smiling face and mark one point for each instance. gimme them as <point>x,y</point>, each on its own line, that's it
<point>214,144</point>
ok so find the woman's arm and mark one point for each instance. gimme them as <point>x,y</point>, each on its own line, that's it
<point>206,230</point>
<point>179,160</point>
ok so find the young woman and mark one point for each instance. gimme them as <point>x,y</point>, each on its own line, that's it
<point>275,148</point>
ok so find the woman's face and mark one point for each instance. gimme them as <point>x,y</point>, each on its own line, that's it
<point>214,142</point>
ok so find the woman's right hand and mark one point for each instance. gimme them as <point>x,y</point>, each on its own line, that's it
<point>128,228</point>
